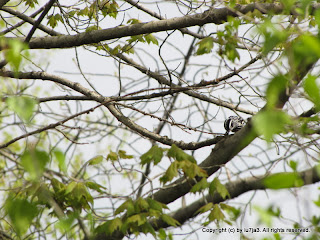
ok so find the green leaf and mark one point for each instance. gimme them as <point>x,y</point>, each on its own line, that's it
<point>283,180</point>
<point>92,28</point>
<point>61,159</point>
<point>141,204</point>
<point>95,186</point>
<point>115,224</point>
<point>233,212</point>
<point>96,160</point>
<point>108,7</point>
<point>70,187</point>
<point>317,167</point>
<point>154,154</point>
<point>312,88</point>
<point>205,46</point>
<point>13,53</point>
<point>21,213</point>
<point>305,50</point>
<point>265,215</point>
<point>127,205</point>
<point>79,196</point>
<point>156,205</point>
<point>270,122</point>
<point>216,185</point>
<point>216,214</point>
<point>112,156</point>
<point>162,234</point>
<point>58,186</point>
<point>34,162</point>
<point>65,224</point>
<point>179,154</point>
<point>139,219</point>
<point>231,52</point>
<point>171,172</point>
<point>317,202</point>
<point>133,21</point>
<point>293,165</point>
<point>200,186</point>
<point>169,220</point>
<point>273,36</point>
<point>277,85</point>
<point>123,154</point>
<point>151,39</point>
<point>23,106</point>
<point>205,208</point>
<point>30,3</point>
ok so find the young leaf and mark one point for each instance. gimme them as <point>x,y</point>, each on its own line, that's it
<point>205,208</point>
<point>216,214</point>
<point>179,154</point>
<point>169,220</point>
<point>34,162</point>
<point>317,202</point>
<point>23,106</point>
<point>57,185</point>
<point>313,90</point>
<point>156,205</point>
<point>61,159</point>
<point>293,165</point>
<point>95,186</point>
<point>154,154</point>
<point>171,172</point>
<point>123,154</point>
<point>199,186</point>
<point>13,54</point>
<point>277,85</point>
<point>283,180</point>
<point>233,212</point>
<point>21,213</point>
<point>139,219</point>
<point>70,187</point>
<point>205,46</point>
<point>151,39</point>
<point>127,205</point>
<point>95,160</point>
<point>270,122</point>
<point>216,185</point>
<point>65,224</point>
<point>115,224</point>
<point>265,215</point>
<point>112,156</point>
<point>141,204</point>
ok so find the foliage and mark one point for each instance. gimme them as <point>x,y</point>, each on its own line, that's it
<point>100,139</point>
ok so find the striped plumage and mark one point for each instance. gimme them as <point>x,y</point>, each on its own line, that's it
<point>233,124</point>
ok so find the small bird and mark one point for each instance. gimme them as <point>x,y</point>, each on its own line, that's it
<point>233,124</point>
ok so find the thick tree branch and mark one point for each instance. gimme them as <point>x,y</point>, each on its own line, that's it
<point>235,189</point>
<point>225,150</point>
<point>213,15</point>
<point>3,2</point>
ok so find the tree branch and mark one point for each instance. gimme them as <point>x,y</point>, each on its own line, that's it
<point>31,20</point>
<point>230,146</point>
<point>235,189</point>
<point>107,101</point>
<point>213,15</point>
<point>218,102</point>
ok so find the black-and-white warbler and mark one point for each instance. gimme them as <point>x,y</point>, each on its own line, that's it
<point>233,124</point>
